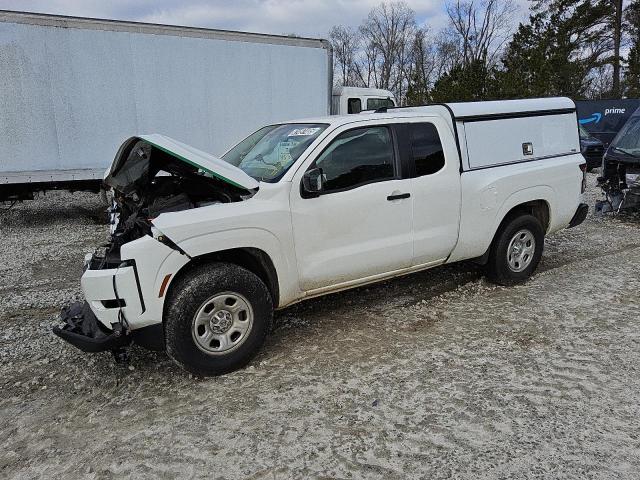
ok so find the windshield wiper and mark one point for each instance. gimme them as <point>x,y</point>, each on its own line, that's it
<point>260,158</point>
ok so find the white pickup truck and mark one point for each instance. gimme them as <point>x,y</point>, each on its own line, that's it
<point>204,249</point>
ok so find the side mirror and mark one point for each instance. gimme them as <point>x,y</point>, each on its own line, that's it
<point>313,182</point>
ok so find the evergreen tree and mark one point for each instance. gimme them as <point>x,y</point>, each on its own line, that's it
<point>417,91</point>
<point>555,52</point>
<point>464,83</point>
<point>632,76</point>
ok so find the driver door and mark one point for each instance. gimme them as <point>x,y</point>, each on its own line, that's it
<point>359,226</point>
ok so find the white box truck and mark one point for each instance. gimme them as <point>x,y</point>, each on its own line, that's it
<point>73,89</point>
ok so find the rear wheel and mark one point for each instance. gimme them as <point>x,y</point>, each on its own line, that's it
<point>217,318</point>
<point>516,250</point>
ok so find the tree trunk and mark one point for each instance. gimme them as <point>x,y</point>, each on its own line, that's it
<point>617,40</point>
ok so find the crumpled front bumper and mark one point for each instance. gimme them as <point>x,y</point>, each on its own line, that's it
<point>100,323</point>
<point>114,293</point>
<point>83,330</point>
<point>123,295</point>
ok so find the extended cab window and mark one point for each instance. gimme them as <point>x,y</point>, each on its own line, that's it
<point>426,148</point>
<point>356,157</point>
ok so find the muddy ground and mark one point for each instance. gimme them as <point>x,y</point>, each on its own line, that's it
<point>436,375</point>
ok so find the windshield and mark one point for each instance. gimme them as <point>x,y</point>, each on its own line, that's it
<point>628,140</point>
<point>268,153</point>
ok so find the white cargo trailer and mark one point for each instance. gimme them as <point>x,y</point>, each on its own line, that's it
<point>72,89</point>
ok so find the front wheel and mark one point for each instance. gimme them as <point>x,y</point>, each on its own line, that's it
<point>217,318</point>
<point>516,250</point>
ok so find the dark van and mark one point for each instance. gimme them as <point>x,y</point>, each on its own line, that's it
<point>620,178</point>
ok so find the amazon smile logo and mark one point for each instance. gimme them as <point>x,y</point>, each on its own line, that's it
<point>594,118</point>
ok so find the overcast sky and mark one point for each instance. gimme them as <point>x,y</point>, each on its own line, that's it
<point>312,18</point>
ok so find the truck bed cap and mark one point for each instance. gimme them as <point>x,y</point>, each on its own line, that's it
<point>468,110</point>
<point>464,111</point>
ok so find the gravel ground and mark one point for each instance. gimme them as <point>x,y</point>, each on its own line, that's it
<point>437,375</point>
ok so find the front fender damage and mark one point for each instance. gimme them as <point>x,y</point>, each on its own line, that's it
<point>150,176</point>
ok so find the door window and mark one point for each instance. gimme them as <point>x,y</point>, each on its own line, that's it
<point>357,157</point>
<point>426,148</point>
<point>354,105</point>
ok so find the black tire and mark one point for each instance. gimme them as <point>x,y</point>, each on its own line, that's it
<point>186,298</point>
<point>497,268</point>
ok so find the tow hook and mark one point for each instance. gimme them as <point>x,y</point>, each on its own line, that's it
<point>120,354</point>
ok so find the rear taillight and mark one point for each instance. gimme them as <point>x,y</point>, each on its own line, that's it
<point>583,169</point>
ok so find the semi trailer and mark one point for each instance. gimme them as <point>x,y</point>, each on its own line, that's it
<point>73,89</point>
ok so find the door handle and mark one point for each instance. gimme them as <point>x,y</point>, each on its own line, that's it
<point>398,196</point>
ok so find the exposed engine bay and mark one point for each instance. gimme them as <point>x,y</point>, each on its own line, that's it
<point>146,181</point>
<point>620,180</point>
<point>150,175</point>
<point>620,183</point>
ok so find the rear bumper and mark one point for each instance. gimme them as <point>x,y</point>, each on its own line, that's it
<point>579,216</point>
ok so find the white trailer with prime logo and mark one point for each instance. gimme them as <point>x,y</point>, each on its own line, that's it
<point>72,89</point>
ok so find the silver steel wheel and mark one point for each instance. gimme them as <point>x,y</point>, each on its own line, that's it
<point>222,323</point>
<point>520,251</point>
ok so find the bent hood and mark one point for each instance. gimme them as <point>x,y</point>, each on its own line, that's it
<point>132,165</point>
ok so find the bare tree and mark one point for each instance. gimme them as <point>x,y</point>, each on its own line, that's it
<point>617,42</point>
<point>482,27</point>
<point>345,42</point>
<point>425,65</point>
<point>387,36</point>
<point>424,57</point>
<point>448,52</point>
<point>599,82</point>
<point>367,66</point>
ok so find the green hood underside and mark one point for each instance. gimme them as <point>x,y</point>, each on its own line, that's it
<point>132,164</point>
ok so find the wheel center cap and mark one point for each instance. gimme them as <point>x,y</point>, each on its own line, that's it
<point>221,321</point>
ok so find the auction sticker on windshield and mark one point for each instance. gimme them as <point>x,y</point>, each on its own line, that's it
<point>304,132</point>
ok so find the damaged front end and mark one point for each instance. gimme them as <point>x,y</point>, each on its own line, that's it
<point>150,175</point>
<point>83,330</point>
<point>620,183</point>
<point>154,174</point>
<point>620,178</point>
